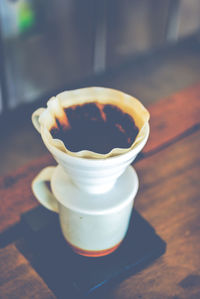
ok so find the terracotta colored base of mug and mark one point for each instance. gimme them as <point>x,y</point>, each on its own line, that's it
<point>93,253</point>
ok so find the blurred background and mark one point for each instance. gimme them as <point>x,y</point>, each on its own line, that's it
<point>148,48</point>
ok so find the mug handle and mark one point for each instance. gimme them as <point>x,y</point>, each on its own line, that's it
<point>35,118</point>
<point>41,190</point>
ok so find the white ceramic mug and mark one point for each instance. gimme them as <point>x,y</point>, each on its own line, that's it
<point>93,225</point>
<point>89,174</point>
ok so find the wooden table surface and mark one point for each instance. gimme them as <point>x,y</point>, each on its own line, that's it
<point>168,197</point>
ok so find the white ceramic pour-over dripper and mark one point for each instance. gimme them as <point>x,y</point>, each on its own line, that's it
<point>96,176</point>
<point>91,174</point>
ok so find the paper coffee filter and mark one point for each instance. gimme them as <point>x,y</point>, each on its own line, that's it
<point>56,106</point>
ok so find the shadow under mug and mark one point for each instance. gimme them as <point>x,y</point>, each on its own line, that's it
<point>93,225</point>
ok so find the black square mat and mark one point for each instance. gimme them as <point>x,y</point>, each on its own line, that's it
<point>69,275</point>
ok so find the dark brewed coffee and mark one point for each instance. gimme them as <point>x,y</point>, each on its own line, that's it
<point>96,127</point>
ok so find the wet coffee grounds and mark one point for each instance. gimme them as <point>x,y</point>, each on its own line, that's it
<point>96,127</point>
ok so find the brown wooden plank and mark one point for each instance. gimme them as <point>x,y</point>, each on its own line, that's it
<point>16,194</point>
<point>172,116</point>
<point>169,199</point>
<point>18,279</point>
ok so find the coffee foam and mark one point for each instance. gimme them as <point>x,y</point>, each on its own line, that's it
<point>56,106</point>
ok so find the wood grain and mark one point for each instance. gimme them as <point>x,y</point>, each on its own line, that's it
<point>172,117</point>
<point>15,192</point>
<point>169,200</point>
<point>18,279</point>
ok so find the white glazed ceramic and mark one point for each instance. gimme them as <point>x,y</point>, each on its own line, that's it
<point>91,174</point>
<point>93,225</point>
<point>97,175</point>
